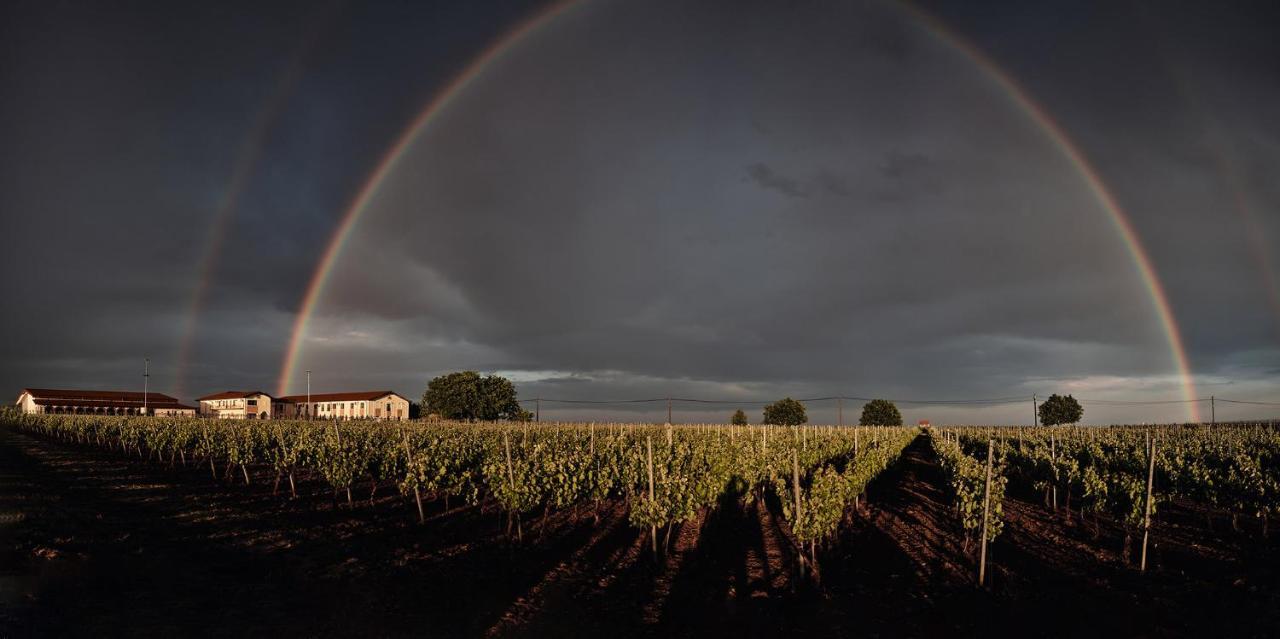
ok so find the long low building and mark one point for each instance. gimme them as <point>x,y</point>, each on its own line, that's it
<point>357,405</point>
<point>95,402</point>
<point>381,405</point>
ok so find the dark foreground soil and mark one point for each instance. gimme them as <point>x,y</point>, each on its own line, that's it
<point>94,544</point>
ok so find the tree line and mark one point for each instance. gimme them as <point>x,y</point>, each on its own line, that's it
<point>470,396</point>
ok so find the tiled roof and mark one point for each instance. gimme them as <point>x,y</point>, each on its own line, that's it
<point>367,396</point>
<point>100,396</point>
<point>231,395</point>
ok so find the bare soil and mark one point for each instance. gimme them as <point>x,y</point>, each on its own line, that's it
<point>96,544</point>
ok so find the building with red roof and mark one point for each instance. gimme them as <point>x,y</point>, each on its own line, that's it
<point>97,402</point>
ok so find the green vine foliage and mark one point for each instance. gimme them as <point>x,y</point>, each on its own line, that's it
<point>967,477</point>
<point>525,467</point>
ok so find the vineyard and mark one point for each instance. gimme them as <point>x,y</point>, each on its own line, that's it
<point>825,498</point>
<point>815,472</point>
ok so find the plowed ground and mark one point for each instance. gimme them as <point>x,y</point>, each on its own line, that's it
<point>96,544</point>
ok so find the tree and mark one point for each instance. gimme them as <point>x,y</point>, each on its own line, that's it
<point>880,412</point>
<point>468,396</point>
<point>785,412</point>
<point>415,410</point>
<point>739,418</point>
<point>1060,410</point>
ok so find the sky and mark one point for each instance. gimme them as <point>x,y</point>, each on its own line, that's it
<point>605,200</point>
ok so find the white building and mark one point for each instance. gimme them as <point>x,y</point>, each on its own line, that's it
<point>242,405</point>
<point>358,405</point>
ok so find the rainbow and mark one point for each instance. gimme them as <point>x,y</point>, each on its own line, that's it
<point>1038,115</point>
<point>1119,219</point>
<point>246,161</point>
<point>442,99</point>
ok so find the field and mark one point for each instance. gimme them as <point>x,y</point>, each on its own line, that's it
<point>152,526</point>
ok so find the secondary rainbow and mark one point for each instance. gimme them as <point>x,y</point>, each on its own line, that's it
<point>1037,114</point>
<point>388,163</point>
<point>1119,219</point>
<point>247,157</point>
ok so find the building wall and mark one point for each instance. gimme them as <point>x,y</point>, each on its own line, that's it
<point>28,404</point>
<point>387,407</point>
<point>175,412</point>
<point>393,407</point>
<point>251,407</point>
<point>284,410</point>
<point>232,408</point>
<point>261,408</point>
<point>223,408</point>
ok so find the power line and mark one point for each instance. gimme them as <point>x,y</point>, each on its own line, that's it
<point>1241,401</point>
<point>993,401</point>
<point>1121,402</point>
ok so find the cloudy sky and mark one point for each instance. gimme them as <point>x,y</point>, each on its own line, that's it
<point>727,201</point>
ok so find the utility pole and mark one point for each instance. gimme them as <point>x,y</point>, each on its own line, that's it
<point>146,381</point>
<point>668,410</point>
<point>1213,411</point>
<point>537,410</point>
<point>1035,412</point>
<point>310,408</point>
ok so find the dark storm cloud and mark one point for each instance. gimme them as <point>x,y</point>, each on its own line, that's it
<point>761,174</point>
<point>653,199</point>
<point>122,128</point>
<point>955,260</point>
<point>897,164</point>
<point>1172,103</point>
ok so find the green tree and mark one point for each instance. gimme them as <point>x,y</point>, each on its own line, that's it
<point>785,412</point>
<point>1059,409</point>
<point>739,418</point>
<point>880,412</point>
<point>468,396</point>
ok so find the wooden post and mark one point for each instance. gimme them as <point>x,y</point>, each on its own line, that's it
<point>795,488</point>
<point>511,482</point>
<point>1053,459</point>
<point>417,492</point>
<point>986,511</point>
<point>1146,519</point>
<point>511,476</point>
<point>653,530</point>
